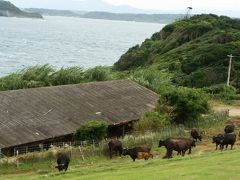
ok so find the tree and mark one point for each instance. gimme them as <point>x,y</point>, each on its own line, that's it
<point>187,104</point>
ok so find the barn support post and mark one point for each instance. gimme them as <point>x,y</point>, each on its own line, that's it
<point>123,130</point>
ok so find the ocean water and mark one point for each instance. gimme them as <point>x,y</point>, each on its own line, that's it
<point>64,41</point>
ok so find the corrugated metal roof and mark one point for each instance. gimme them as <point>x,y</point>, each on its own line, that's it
<point>30,115</point>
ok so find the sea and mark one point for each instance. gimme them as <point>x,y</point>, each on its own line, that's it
<point>66,41</point>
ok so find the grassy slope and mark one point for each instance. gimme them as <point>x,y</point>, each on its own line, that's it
<point>217,165</point>
<point>194,50</point>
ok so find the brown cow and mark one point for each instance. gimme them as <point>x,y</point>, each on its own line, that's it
<point>196,135</point>
<point>229,128</point>
<point>144,155</point>
<point>115,145</point>
<point>138,153</point>
<point>181,145</point>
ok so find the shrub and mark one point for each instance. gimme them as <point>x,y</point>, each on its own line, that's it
<point>99,73</point>
<point>222,91</point>
<point>151,121</point>
<point>37,76</point>
<point>71,75</point>
<point>188,104</point>
<point>156,80</point>
<point>92,130</point>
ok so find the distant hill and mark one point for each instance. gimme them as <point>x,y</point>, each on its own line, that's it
<point>7,9</point>
<point>54,12</point>
<point>154,18</point>
<point>194,50</point>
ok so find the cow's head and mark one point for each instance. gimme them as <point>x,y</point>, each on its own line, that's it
<point>214,139</point>
<point>161,143</point>
<point>200,137</point>
<point>125,151</point>
<point>193,143</point>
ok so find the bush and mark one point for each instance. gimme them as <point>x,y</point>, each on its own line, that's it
<point>156,80</point>
<point>71,75</point>
<point>151,121</point>
<point>99,73</point>
<point>222,91</point>
<point>92,130</point>
<point>188,104</point>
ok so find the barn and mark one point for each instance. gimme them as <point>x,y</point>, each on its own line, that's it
<point>51,114</point>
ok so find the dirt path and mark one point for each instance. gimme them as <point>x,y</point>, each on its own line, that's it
<point>233,110</point>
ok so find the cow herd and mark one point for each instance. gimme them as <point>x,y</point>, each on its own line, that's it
<point>180,144</point>
<point>226,138</point>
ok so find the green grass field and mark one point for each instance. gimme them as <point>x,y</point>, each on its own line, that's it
<point>210,165</point>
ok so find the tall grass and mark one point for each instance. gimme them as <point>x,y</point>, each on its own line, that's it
<point>156,80</point>
<point>41,76</point>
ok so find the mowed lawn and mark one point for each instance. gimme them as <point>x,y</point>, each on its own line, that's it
<point>212,165</point>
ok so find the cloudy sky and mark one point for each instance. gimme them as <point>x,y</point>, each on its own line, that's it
<point>207,6</point>
<point>180,4</point>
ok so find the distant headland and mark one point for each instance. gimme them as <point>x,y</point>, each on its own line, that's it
<point>7,9</point>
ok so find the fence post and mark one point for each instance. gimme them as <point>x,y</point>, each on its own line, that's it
<point>81,153</point>
<point>93,145</point>
<point>17,160</point>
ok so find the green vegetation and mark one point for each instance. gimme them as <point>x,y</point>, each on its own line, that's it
<point>92,130</point>
<point>92,162</point>
<point>218,165</point>
<point>41,76</point>
<point>9,10</point>
<point>187,104</point>
<point>193,51</point>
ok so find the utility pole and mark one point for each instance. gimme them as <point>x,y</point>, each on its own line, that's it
<point>229,68</point>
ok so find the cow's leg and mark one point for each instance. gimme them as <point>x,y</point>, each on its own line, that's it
<point>110,153</point>
<point>226,146</point>
<point>221,147</point>
<point>190,150</point>
<point>231,146</point>
<point>120,151</point>
<point>183,152</point>
<point>169,153</point>
<point>66,166</point>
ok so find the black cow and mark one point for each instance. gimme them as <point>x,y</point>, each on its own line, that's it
<point>138,153</point>
<point>181,145</point>
<point>217,139</point>
<point>196,135</point>
<point>228,138</point>
<point>115,145</point>
<point>229,128</point>
<point>63,160</point>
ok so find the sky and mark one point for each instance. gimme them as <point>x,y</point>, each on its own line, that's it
<point>180,4</point>
<point>226,7</point>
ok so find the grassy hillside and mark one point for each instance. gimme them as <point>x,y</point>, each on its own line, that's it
<point>7,9</point>
<point>193,50</point>
<point>217,165</point>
